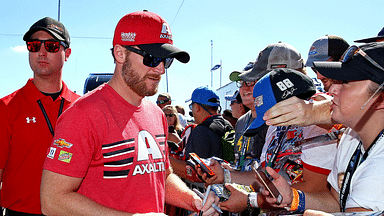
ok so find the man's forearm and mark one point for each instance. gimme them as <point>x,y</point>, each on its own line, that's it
<point>178,194</point>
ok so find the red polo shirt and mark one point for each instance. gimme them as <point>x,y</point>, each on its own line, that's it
<point>24,139</point>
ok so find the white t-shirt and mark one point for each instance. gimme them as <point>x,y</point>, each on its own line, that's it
<point>367,183</point>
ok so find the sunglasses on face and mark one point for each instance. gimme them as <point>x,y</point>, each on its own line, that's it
<point>234,102</point>
<point>241,83</point>
<point>169,115</point>
<point>52,46</point>
<point>149,60</point>
<point>162,101</point>
<point>190,105</point>
<point>352,50</point>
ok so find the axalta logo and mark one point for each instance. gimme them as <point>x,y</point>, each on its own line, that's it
<point>62,143</point>
<point>130,36</point>
<point>166,32</point>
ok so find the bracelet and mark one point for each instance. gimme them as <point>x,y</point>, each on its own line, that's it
<point>227,176</point>
<point>301,207</point>
<point>252,197</point>
<point>295,200</point>
<point>249,206</point>
<point>298,201</point>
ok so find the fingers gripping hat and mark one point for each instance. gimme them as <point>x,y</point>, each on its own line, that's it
<point>278,85</point>
<point>149,32</point>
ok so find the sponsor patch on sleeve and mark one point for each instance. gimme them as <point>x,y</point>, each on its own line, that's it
<point>52,152</point>
<point>65,156</point>
<point>62,143</point>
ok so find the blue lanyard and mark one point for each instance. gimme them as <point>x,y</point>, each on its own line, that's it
<point>354,162</point>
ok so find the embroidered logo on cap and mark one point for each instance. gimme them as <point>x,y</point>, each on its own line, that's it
<point>286,86</point>
<point>128,36</point>
<point>166,32</point>
<point>258,101</point>
<point>57,28</point>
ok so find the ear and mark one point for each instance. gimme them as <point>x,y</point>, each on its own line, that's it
<point>68,52</point>
<point>120,53</point>
<point>379,102</point>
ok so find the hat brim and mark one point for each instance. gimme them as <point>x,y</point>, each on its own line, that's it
<point>253,75</point>
<point>309,62</point>
<point>28,35</point>
<point>368,40</point>
<point>338,70</point>
<point>164,50</point>
<point>234,76</point>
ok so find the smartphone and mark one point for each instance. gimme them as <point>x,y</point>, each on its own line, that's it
<point>200,163</point>
<point>267,183</point>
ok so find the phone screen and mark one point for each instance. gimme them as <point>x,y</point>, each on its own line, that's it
<point>267,183</point>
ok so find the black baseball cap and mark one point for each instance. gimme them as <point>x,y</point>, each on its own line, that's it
<point>358,68</point>
<point>52,26</point>
<point>278,85</point>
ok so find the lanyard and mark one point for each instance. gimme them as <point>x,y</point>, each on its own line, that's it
<point>244,145</point>
<point>277,148</point>
<point>354,162</point>
<point>46,116</point>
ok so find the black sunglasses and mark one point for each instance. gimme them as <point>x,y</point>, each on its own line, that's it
<point>149,60</point>
<point>235,102</point>
<point>241,83</point>
<point>169,115</point>
<point>52,46</point>
<point>352,50</point>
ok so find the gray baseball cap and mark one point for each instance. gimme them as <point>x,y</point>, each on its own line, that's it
<point>326,47</point>
<point>276,55</point>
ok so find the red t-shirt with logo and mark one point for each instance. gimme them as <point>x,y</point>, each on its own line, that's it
<point>118,149</point>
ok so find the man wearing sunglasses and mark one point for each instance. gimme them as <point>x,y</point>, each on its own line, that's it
<point>356,177</point>
<point>28,117</point>
<point>163,100</point>
<point>113,156</point>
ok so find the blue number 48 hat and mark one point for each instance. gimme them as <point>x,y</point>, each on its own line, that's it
<point>278,85</point>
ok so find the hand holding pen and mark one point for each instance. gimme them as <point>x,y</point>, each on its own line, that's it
<point>205,199</point>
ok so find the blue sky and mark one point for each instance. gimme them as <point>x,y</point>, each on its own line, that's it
<point>239,30</point>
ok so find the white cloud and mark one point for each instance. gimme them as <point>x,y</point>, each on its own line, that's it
<point>20,49</point>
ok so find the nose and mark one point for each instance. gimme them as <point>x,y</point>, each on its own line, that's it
<point>43,51</point>
<point>335,89</point>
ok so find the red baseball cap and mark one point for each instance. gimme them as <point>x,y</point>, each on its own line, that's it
<point>149,32</point>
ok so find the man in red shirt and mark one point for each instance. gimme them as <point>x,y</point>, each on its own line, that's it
<point>28,117</point>
<point>109,155</point>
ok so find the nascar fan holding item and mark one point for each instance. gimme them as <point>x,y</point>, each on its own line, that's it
<point>357,175</point>
<point>116,158</point>
<point>275,86</point>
